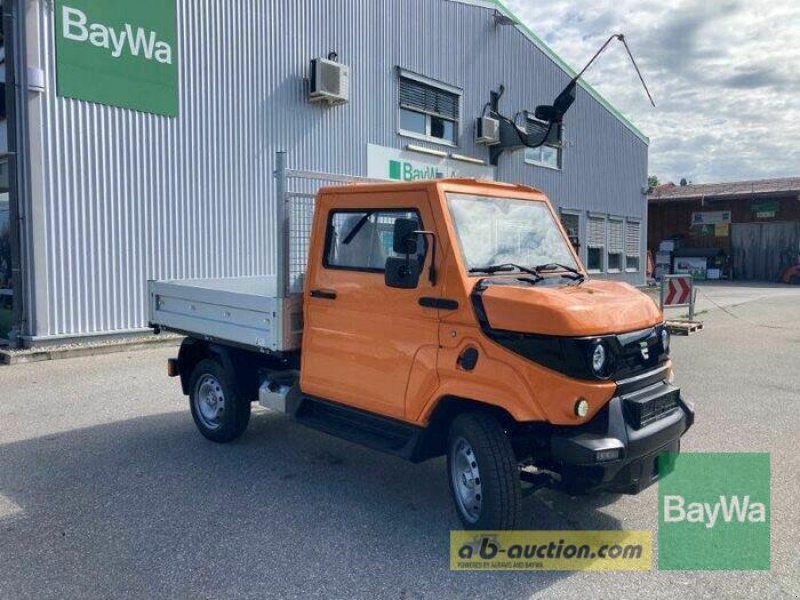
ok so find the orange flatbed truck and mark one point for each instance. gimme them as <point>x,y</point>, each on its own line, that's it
<point>448,317</point>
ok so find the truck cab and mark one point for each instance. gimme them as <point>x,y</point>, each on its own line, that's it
<point>453,317</point>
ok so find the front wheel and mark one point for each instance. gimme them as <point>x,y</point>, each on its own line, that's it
<point>218,409</point>
<point>483,473</point>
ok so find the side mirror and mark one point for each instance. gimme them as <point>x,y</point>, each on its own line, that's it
<point>405,236</point>
<point>401,272</point>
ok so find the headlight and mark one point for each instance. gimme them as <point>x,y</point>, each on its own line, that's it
<point>599,359</point>
<point>665,339</point>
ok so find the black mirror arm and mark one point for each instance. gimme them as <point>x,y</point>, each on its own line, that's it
<point>432,269</point>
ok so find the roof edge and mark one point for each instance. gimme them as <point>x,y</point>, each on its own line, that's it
<point>559,62</point>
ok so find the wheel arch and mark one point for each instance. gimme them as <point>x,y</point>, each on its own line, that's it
<point>446,409</point>
<point>239,363</point>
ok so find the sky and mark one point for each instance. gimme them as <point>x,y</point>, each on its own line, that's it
<point>723,73</point>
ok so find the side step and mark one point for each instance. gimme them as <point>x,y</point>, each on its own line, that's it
<point>360,427</point>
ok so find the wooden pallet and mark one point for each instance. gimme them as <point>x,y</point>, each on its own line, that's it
<point>684,327</point>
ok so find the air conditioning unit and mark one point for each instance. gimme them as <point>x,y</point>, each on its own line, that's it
<point>487,131</point>
<point>330,81</point>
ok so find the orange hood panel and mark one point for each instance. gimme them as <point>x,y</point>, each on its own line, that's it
<point>595,307</point>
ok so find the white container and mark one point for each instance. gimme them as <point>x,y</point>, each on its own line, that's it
<point>667,246</point>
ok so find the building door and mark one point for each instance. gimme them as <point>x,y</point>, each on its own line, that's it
<point>6,292</point>
<point>9,232</point>
<point>762,251</point>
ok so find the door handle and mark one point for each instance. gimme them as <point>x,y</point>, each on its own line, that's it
<point>442,303</point>
<point>324,294</point>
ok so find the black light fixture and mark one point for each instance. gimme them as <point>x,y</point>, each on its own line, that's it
<point>500,19</point>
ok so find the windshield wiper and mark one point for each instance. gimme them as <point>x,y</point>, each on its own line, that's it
<point>504,268</point>
<point>578,276</point>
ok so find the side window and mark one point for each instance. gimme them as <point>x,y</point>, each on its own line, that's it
<point>549,154</point>
<point>616,244</point>
<point>363,240</point>
<point>572,223</point>
<point>428,111</point>
<point>633,241</point>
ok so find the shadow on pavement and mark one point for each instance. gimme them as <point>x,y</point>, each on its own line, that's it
<point>148,508</point>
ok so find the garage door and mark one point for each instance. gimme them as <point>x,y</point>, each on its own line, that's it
<point>761,251</point>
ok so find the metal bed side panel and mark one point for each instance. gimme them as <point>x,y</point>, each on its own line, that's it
<point>234,316</point>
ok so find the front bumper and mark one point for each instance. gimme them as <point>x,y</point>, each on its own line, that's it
<point>580,454</point>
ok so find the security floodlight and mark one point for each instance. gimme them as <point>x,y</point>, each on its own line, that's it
<point>500,19</point>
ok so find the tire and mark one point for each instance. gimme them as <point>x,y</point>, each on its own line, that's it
<point>483,473</point>
<point>219,410</point>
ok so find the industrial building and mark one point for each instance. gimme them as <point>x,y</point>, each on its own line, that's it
<point>743,230</point>
<point>143,137</point>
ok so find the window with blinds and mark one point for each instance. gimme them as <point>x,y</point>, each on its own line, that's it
<point>428,111</point>
<point>596,243</point>
<point>633,244</point>
<point>548,154</point>
<point>597,232</point>
<point>426,98</point>
<point>616,244</point>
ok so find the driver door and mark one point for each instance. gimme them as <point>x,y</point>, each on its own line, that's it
<point>361,337</point>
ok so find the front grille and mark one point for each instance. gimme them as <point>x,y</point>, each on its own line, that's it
<point>637,352</point>
<point>642,409</point>
<point>627,386</point>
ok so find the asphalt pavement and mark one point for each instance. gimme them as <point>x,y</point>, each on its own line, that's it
<point>108,491</point>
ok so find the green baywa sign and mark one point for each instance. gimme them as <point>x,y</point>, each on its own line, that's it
<point>118,52</point>
<point>714,511</point>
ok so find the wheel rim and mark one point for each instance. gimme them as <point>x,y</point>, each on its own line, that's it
<point>209,401</point>
<point>466,480</point>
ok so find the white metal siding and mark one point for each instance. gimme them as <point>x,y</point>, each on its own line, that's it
<point>129,196</point>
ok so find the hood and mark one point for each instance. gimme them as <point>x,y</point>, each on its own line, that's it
<point>594,307</point>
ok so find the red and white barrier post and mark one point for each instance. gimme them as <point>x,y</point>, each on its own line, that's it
<point>678,291</point>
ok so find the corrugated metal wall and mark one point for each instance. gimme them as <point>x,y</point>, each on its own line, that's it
<point>129,196</point>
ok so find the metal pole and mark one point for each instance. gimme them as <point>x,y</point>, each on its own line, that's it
<point>281,223</point>
<point>661,292</point>
<point>692,301</point>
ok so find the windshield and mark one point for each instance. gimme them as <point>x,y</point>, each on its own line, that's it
<point>495,231</point>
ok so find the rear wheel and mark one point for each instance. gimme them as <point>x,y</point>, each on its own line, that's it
<point>218,409</point>
<point>483,473</point>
